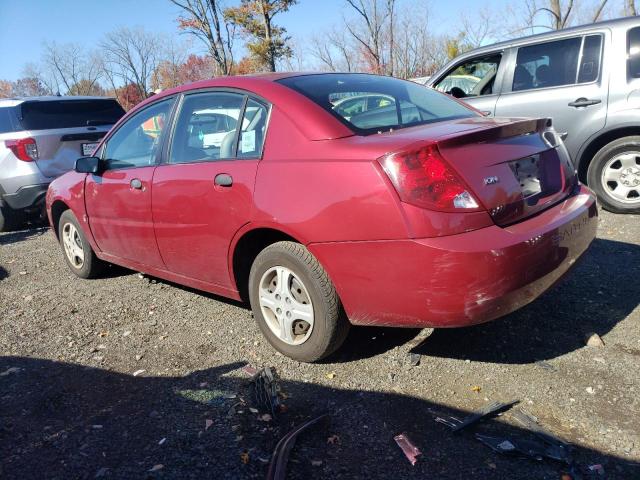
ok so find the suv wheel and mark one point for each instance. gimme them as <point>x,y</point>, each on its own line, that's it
<point>614,174</point>
<point>295,303</point>
<point>77,250</point>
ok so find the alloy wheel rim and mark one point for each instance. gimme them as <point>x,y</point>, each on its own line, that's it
<point>286,305</point>
<point>73,245</point>
<point>621,178</point>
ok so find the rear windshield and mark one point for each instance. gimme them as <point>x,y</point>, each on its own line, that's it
<point>9,120</point>
<point>44,115</point>
<point>370,103</point>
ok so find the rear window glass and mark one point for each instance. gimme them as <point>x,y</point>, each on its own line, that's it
<point>9,120</point>
<point>43,115</point>
<point>371,103</point>
<point>550,64</point>
<point>590,61</point>
<point>633,53</point>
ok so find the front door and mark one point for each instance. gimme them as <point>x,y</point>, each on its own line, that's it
<point>203,193</point>
<point>119,199</point>
<point>475,81</point>
<point>562,80</point>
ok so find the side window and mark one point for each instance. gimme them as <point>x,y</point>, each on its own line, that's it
<point>473,78</point>
<point>135,144</point>
<point>633,53</point>
<point>253,130</point>
<point>206,127</point>
<point>550,64</point>
<point>590,60</point>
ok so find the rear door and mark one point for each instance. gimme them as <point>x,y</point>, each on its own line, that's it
<point>561,79</point>
<point>65,130</point>
<point>474,80</point>
<point>118,201</point>
<point>203,194</point>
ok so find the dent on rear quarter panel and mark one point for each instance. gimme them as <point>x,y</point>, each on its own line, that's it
<point>322,191</point>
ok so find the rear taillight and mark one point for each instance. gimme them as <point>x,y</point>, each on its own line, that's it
<point>24,149</point>
<point>422,177</point>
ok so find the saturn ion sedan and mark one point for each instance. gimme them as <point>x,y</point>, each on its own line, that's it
<point>413,212</point>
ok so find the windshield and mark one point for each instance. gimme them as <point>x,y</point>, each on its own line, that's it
<point>371,103</point>
<point>45,115</point>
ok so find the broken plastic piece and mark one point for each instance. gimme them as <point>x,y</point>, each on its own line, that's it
<point>265,389</point>
<point>555,449</point>
<point>408,448</point>
<point>599,469</point>
<point>487,411</point>
<point>280,457</point>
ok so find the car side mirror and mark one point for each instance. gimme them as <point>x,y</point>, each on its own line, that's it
<point>88,165</point>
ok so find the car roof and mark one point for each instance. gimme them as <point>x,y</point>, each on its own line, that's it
<point>12,102</point>
<point>617,23</point>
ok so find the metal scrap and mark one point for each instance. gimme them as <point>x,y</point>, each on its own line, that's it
<point>487,411</point>
<point>278,466</point>
<point>408,448</point>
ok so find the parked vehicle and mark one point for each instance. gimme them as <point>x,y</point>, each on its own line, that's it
<point>421,213</point>
<point>587,79</point>
<point>40,139</point>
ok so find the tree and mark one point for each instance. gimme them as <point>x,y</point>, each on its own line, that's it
<point>334,51</point>
<point>6,89</point>
<point>73,68</point>
<point>128,96</point>
<point>630,8</point>
<point>204,20</point>
<point>29,87</point>
<point>194,68</point>
<point>268,42</point>
<point>130,57</point>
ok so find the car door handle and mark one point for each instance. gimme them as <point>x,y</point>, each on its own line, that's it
<point>136,183</point>
<point>486,113</point>
<point>584,102</point>
<point>223,180</point>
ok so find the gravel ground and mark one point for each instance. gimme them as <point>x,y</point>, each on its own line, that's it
<point>132,377</point>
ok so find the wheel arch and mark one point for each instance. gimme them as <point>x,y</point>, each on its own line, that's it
<point>249,242</point>
<point>58,207</point>
<point>592,147</point>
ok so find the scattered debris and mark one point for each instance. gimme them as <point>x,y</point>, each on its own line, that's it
<point>316,463</point>
<point>266,417</point>
<point>594,340</point>
<point>599,469</point>
<point>9,371</point>
<point>408,448</point>
<point>330,375</point>
<point>207,423</point>
<point>157,467</point>
<point>557,449</point>
<point>546,366</point>
<point>249,370</point>
<point>590,390</point>
<point>333,439</point>
<point>413,359</point>
<point>265,389</point>
<point>253,410</point>
<point>244,457</point>
<point>101,472</point>
<point>138,372</point>
<point>126,333</point>
<point>489,410</point>
<point>164,439</point>
<point>278,465</point>
<point>535,449</point>
<point>476,388</point>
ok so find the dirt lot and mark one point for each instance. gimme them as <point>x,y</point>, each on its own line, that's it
<point>132,377</point>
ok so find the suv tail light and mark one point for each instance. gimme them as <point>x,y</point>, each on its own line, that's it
<point>24,149</point>
<point>422,177</point>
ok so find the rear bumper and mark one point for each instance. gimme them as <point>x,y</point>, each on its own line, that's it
<point>462,279</point>
<point>29,196</point>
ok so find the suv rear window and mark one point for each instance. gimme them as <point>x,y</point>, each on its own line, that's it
<point>370,103</point>
<point>9,120</point>
<point>44,115</point>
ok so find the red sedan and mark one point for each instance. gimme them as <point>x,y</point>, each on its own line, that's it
<point>410,211</point>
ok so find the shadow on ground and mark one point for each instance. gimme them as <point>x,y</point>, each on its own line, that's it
<point>21,235</point>
<point>600,292</point>
<point>60,421</point>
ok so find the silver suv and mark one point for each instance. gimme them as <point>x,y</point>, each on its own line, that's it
<point>40,139</point>
<point>586,78</point>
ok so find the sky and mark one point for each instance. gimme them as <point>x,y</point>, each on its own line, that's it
<point>26,24</point>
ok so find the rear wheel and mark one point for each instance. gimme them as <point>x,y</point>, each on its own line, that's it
<point>614,174</point>
<point>295,303</point>
<point>77,250</point>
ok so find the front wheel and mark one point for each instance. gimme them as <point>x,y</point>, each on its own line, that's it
<point>614,174</point>
<point>76,248</point>
<point>295,303</point>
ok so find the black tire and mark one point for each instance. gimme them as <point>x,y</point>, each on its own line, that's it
<point>91,266</point>
<point>600,187</point>
<point>330,326</point>
<point>7,220</point>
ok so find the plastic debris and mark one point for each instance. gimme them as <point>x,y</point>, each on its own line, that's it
<point>489,410</point>
<point>207,423</point>
<point>278,466</point>
<point>597,468</point>
<point>408,448</point>
<point>157,467</point>
<point>164,439</point>
<point>265,390</point>
<point>556,449</point>
<point>249,370</point>
<point>138,372</point>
